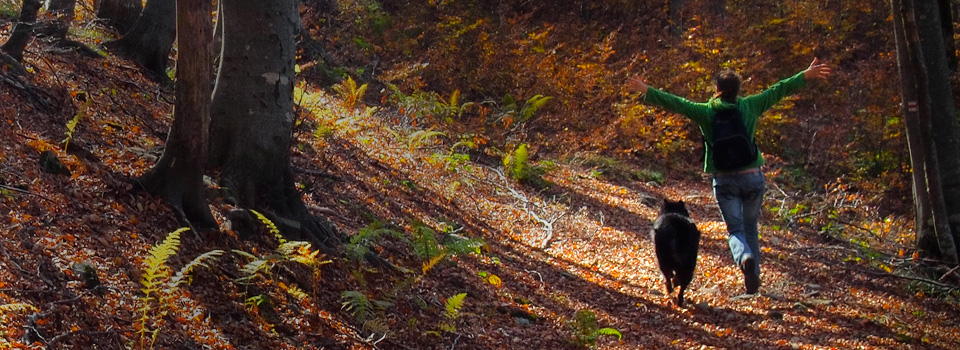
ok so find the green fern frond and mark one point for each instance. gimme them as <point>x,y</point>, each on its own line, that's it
<point>425,241</point>
<point>610,331</point>
<point>270,225</point>
<point>453,306</point>
<point>533,105</point>
<point>251,269</point>
<point>17,307</point>
<point>244,254</point>
<point>455,98</point>
<point>418,138</point>
<point>183,276</point>
<point>464,246</point>
<point>357,304</point>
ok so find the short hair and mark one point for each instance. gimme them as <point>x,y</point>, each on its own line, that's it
<point>728,85</point>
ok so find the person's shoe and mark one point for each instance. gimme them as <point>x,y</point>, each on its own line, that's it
<point>750,278</point>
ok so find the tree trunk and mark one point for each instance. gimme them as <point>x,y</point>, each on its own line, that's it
<point>946,246</point>
<point>178,175</point>
<point>946,25</point>
<point>119,14</point>
<point>926,232</point>
<point>251,126</point>
<point>946,130</point>
<point>23,31</point>
<point>149,41</point>
<point>674,11</point>
<point>63,12</point>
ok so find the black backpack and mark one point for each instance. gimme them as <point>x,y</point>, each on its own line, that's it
<point>732,147</point>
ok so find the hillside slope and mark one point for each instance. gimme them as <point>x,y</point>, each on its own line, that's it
<point>557,262</point>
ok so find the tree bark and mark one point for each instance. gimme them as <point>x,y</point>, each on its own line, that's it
<point>926,232</point>
<point>178,175</point>
<point>946,25</point>
<point>119,14</point>
<point>149,41</point>
<point>674,11</point>
<point>946,129</point>
<point>23,31</point>
<point>925,107</point>
<point>252,118</point>
<point>63,12</point>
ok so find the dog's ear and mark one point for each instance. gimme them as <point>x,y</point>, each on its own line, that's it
<point>681,202</point>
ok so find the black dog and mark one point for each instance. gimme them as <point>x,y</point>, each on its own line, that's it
<point>676,241</point>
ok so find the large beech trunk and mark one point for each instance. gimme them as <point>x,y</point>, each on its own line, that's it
<point>151,38</point>
<point>120,14</point>
<point>251,126</point>
<point>178,175</point>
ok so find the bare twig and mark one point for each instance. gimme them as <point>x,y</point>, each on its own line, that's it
<point>948,273</point>
<point>918,279</point>
<point>546,223</point>
<point>14,189</point>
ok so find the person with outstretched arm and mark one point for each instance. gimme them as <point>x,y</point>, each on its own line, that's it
<point>738,182</point>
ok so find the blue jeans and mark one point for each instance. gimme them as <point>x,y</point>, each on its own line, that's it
<point>740,197</point>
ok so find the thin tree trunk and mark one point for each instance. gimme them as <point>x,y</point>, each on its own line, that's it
<point>926,232</point>
<point>178,175</point>
<point>946,129</point>
<point>252,114</point>
<point>149,41</point>
<point>947,248</point>
<point>675,12</point>
<point>23,31</point>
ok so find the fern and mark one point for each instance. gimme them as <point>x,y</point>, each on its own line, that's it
<point>350,92</point>
<point>420,137</point>
<point>17,307</point>
<point>360,243</point>
<point>586,331</point>
<point>183,276</point>
<point>453,306</point>
<point>533,105</point>
<point>159,284</point>
<point>376,326</point>
<point>610,331</point>
<point>270,225</point>
<point>72,124</point>
<point>460,246</point>
<point>425,241</point>
<point>294,291</point>
<point>427,266</point>
<point>358,305</point>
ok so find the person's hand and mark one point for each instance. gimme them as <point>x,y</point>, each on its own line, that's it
<point>636,84</point>
<point>816,70</point>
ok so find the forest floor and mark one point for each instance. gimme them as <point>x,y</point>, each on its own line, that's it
<point>579,245</point>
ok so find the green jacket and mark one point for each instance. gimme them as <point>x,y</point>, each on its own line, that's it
<point>750,107</point>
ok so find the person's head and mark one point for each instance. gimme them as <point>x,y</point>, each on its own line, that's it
<point>728,85</point>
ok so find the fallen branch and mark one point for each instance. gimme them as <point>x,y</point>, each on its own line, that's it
<point>949,272</point>
<point>949,288</point>
<point>14,189</point>
<point>547,224</point>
